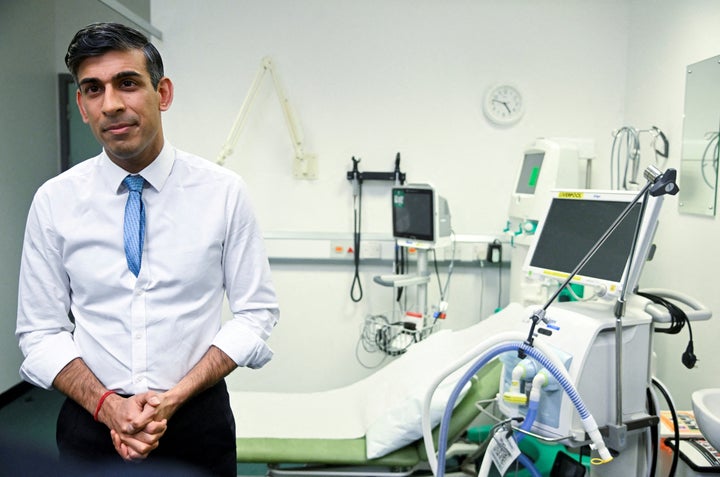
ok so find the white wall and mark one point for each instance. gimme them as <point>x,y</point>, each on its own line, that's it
<point>370,79</point>
<point>28,149</point>
<point>666,36</point>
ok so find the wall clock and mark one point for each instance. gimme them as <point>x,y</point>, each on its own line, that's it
<point>504,104</point>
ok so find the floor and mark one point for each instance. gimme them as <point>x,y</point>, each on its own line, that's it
<point>30,419</point>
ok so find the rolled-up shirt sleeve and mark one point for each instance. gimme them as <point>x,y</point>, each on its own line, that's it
<point>249,288</point>
<point>244,338</point>
<point>44,330</point>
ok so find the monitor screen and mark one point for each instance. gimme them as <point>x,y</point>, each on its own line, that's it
<point>529,172</point>
<point>575,221</point>
<point>413,213</point>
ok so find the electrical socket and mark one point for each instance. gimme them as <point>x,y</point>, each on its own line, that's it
<point>480,252</point>
<point>341,249</point>
<point>370,250</point>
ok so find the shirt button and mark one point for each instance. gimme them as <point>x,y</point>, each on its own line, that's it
<point>138,336</point>
<point>138,379</point>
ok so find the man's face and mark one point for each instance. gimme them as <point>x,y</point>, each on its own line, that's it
<point>117,99</point>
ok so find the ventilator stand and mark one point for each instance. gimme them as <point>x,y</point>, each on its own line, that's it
<point>658,183</point>
<point>421,301</point>
<point>420,280</point>
<point>617,434</point>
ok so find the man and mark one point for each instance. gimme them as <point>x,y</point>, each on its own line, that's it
<point>141,265</point>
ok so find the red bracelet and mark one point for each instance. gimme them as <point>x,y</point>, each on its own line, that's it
<point>100,403</point>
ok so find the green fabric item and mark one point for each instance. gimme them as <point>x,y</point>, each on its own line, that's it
<point>319,451</point>
<point>352,451</point>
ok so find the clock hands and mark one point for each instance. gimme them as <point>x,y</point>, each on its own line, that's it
<point>504,103</point>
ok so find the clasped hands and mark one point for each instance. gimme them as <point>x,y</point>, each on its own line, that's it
<point>136,423</point>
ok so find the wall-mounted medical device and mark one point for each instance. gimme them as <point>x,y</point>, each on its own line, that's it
<point>548,163</point>
<point>575,220</point>
<point>420,217</point>
<point>420,220</point>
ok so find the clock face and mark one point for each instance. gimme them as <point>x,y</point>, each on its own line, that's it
<point>504,105</point>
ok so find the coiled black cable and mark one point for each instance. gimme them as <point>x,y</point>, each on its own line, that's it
<point>357,222</point>
<point>676,425</point>
<point>678,320</point>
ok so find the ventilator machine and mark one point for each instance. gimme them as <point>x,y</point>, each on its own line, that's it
<point>575,371</point>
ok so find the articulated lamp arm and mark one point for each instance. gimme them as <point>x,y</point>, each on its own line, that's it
<point>239,123</point>
<point>305,165</point>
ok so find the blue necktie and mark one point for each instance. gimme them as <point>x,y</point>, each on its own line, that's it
<point>134,228</point>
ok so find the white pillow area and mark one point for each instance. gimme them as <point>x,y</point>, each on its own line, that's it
<point>401,423</point>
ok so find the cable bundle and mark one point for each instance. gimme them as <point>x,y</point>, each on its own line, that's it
<point>393,339</point>
<point>678,319</point>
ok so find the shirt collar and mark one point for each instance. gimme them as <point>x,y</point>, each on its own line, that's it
<point>155,174</point>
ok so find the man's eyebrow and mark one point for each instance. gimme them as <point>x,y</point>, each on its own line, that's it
<point>117,76</point>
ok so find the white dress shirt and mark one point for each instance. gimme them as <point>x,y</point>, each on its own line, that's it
<point>146,332</point>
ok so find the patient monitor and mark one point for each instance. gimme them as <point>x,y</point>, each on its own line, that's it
<point>420,220</point>
<point>548,163</point>
<point>420,217</point>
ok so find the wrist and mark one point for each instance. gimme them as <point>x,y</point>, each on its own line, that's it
<point>172,400</point>
<point>101,402</point>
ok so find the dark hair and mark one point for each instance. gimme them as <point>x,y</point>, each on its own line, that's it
<point>99,38</point>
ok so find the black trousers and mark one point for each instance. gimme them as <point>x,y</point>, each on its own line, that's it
<point>200,440</point>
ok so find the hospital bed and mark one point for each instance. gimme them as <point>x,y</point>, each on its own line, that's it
<point>371,427</point>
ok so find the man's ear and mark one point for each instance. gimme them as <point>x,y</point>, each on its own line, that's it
<point>165,90</point>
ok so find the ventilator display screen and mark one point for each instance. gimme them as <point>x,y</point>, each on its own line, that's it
<point>529,173</point>
<point>573,226</point>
